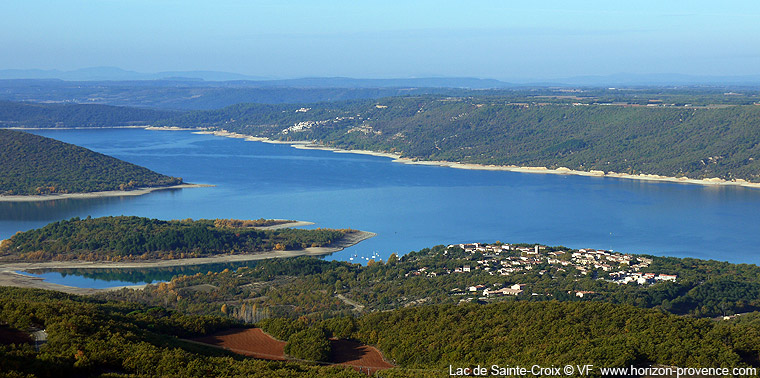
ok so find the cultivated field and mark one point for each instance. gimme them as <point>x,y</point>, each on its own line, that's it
<point>251,342</point>
<point>255,343</point>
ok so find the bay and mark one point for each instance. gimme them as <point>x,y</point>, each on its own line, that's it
<point>410,206</point>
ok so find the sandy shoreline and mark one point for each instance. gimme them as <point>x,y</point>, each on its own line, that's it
<point>285,225</point>
<point>491,167</point>
<point>112,193</point>
<point>173,128</point>
<point>146,127</point>
<point>9,277</point>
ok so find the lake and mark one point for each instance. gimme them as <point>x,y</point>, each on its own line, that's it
<point>409,206</point>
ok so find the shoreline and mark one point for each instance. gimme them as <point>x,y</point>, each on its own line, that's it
<point>146,127</point>
<point>10,277</point>
<point>492,167</point>
<point>285,225</point>
<point>110,193</point>
<point>77,128</point>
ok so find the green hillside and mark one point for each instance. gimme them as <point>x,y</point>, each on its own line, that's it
<point>31,164</point>
<point>697,142</point>
<point>554,333</point>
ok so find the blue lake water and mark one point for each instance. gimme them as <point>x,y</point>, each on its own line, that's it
<point>409,206</point>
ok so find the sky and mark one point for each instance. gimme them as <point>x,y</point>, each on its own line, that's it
<point>504,39</point>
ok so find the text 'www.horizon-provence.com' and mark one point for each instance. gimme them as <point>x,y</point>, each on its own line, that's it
<point>587,370</point>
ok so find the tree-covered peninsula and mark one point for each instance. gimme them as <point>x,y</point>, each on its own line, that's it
<point>602,133</point>
<point>35,165</point>
<point>134,238</point>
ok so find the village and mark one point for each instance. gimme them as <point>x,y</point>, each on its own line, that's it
<point>507,259</point>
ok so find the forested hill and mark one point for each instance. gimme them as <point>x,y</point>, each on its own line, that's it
<point>679,140</point>
<point>22,114</point>
<point>32,165</point>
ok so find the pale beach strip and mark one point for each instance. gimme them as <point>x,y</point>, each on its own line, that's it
<point>111,193</point>
<point>491,167</point>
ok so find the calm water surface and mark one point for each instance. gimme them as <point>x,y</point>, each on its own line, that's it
<point>410,207</point>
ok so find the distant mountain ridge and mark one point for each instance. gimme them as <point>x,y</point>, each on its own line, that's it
<point>655,79</point>
<point>118,74</point>
<point>115,73</point>
<point>602,80</point>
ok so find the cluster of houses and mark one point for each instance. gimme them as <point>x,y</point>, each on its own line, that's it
<point>301,126</point>
<point>486,291</point>
<point>506,259</point>
<point>640,278</point>
<point>304,125</point>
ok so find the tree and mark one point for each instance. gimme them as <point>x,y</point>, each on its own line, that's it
<point>310,344</point>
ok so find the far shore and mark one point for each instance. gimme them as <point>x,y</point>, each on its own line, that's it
<point>492,167</point>
<point>398,159</point>
<point>10,277</point>
<point>111,193</point>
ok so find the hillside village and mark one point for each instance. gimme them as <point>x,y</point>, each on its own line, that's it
<point>507,259</point>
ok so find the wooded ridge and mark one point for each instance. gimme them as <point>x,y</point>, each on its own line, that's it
<point>35,165</point>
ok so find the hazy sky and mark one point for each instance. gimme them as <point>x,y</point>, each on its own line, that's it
<point>504,39</point>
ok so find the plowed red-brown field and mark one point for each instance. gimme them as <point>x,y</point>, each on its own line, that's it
<point>255,343</point>
<point>249,342</point>
<point>357,355</point>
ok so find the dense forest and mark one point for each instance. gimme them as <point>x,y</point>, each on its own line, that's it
<point>90,338</point>
<point>26,114</point>
<point>555,333</point>
<point>33,165</point>
<point>677,140</point>
<point>134,238</point>
<point>432,337</point>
